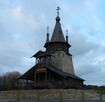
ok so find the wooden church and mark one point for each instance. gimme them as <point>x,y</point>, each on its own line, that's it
<point>53,68</point>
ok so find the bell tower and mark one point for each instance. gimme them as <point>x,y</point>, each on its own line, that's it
<point>58,46</point>
<point>57,41</point>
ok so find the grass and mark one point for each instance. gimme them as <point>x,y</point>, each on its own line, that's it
<point>101,98</point>
<point>38,97</point>
<point>61,97</point>
<point>100,91</point>
<point>83,97</point>
<point>18,97</point>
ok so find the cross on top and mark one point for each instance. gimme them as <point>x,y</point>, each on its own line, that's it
<point>47,29</point>
<point>58,10</point>
<point>66,32</point>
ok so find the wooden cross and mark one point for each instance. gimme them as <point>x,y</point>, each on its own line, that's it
<point>47,29</point>
<point>66,32</point>
<point>58,10</point>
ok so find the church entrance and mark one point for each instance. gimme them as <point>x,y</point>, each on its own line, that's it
<point>40,77</point>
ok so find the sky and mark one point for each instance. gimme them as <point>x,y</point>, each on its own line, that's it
<point>23,28</point>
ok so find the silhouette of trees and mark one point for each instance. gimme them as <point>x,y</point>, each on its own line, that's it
<point>9,81</point>
<point>95,87</point>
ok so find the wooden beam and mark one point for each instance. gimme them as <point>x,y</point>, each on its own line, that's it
<point>35,77</point>
<point>46,77</point>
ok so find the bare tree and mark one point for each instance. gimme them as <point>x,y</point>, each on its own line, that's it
<point>9,81</point>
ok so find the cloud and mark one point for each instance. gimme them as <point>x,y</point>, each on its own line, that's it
<point>26,19</point>
<point>89,66</point>
<point>102,43</point>
<point>12,55</point>
<point>88,59</point>
<point>94,24</point>
<point>80,44</point>
<point>91,4</point>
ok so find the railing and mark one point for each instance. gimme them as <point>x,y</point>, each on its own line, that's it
<point>58,84</point>
<point>50,85</point>
<point>40,84</point>
<point>44,62</point>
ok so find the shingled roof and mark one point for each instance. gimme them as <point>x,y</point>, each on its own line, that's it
<point>57,33</point>
<point>64,74</point>
<point>29,75</point>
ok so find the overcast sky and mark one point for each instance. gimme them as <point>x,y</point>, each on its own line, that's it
<point>23,31</point>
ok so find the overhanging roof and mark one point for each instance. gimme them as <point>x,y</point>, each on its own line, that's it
<point>64,74</point>
<point>29,75</point>
<point>41,54</point>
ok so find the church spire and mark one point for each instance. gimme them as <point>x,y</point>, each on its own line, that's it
<point>67,35</point>
<point>47,40</point>
<point>57,33</point>
<point>57,41</point>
